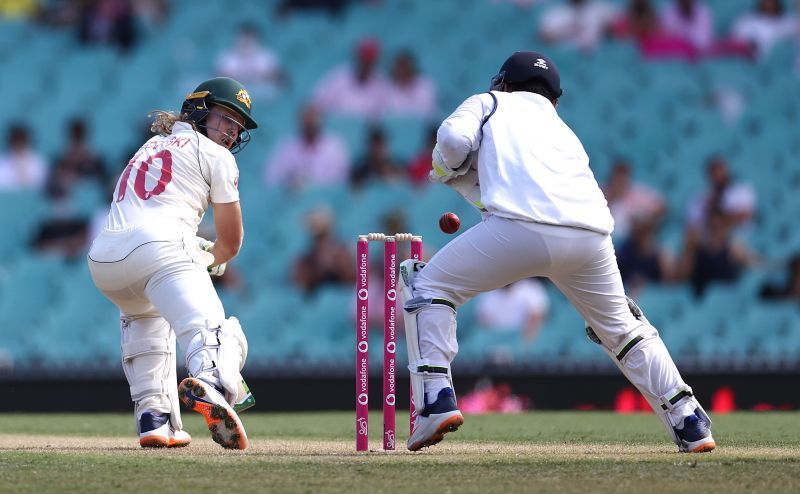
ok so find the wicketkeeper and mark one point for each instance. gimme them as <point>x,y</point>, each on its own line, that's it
<point>509,154</point>
<point>149,261</point>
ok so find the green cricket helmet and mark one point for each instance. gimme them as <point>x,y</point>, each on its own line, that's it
<point>222,91</point>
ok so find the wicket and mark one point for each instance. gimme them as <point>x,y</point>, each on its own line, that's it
<point>389,335</point>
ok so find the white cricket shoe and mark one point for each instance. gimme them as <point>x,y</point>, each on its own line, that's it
<point>435,420</point>
<point>223,422</point>
<point>155,431</point>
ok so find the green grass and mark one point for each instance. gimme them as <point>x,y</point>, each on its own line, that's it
<point>315,452</point>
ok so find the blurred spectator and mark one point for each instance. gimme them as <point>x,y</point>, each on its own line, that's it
<point>690,20</point>
<point>21,167</point>
<point>108,22</point>
<point>333,7</point>
<point>790,289</point>
<point>628,199</point>
<point>765,27</point>
<point>736,200</point>
<point>578,23</point>
<point>151,14</point>
<point>641,23</point>
<point>251,63</point>
<point>62,237</point>
<point>395,221</point>
<point>78,161</point>
<point>641,259</point>
<point>518,307</point>
<point>487,398</point>
<point>730,102</point>
<point>409,92</point>
<point>313,158</point>
<point>354,90</point>
<point>327,260</point>
<point>59,13</point>
<point>18,9</point>
<point>711,255</point>
<point>420,165</point>
<point>376,164</point>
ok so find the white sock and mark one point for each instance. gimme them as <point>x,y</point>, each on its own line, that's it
<point>679,412</point>
<point>434,384</point>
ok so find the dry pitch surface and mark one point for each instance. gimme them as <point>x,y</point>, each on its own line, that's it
<point>534,452</point>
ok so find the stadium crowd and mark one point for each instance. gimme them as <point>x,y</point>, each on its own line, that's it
<point>376,83</point>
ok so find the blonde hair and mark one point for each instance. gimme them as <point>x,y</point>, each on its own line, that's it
<point>164,120</point>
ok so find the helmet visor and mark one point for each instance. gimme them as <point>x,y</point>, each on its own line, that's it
<point>231,133</point>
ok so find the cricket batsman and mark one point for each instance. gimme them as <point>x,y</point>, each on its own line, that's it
<point>509,154</point>
<point>150,263</point>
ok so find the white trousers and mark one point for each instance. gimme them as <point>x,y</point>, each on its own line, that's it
<point>581,263</point>
<point>160,280</point>
<point>163,293</point>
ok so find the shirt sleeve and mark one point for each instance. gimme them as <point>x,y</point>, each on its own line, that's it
<point>224,179</point>
<point>460,133</point>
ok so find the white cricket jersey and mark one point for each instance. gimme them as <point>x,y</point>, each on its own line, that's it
<point>531,166</point>
<point>170,182</point>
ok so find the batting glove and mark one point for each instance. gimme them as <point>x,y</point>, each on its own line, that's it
<point>207,245</point>
<point>217,270</point>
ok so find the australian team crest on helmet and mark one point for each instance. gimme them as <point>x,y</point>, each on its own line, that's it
<point>244,97</point>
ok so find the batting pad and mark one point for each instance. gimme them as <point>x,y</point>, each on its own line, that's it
<point>149,360</point>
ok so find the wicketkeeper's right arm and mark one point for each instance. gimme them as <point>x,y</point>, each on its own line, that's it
<point>455,156</point>
<point>457,139</point>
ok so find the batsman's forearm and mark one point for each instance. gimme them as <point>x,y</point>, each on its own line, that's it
<point>225,251</point>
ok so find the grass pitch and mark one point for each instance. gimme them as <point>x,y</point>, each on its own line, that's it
<point>583,452</point>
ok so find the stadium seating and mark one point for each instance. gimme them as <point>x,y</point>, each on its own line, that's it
<point>659,115</point>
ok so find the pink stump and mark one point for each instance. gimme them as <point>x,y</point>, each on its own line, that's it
<point>389,341</point>
<point>416,253</point>
<point>362,346</point>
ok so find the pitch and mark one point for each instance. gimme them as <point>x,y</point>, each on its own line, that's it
<point>315,452</point>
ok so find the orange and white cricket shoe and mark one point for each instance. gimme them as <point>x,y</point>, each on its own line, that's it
<point>223,422</point>
<point>155,431</point>
<point>435,420</point>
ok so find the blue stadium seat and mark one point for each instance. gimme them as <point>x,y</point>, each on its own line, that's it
<point>665,304</point>
<point>20,214</point>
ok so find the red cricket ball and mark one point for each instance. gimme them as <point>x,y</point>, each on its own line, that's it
<point>449,222</point>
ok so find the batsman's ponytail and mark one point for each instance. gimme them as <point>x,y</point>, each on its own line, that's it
<point>164,120</point>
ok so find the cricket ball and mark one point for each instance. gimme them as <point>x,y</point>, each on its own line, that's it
<point>449,222</point>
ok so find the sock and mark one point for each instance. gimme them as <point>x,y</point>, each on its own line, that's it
<point>684,410</point>
<point>434,384</point>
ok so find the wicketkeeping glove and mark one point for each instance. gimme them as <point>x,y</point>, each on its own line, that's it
<point>207,245</point>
